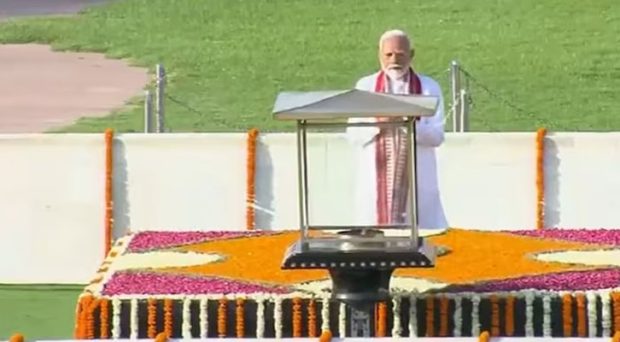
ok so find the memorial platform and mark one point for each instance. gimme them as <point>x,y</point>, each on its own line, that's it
<point>552,282</point>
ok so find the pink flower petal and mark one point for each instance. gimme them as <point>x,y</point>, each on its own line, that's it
<point>146,283</point>
<point>574,281</point>
<point>145,241</point>
<point>594,236</point>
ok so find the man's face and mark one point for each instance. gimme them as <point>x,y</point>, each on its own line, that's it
<point>395,56</point>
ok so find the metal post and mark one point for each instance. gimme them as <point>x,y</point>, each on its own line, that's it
<point>148,112</point>
<point>413,178</point>
<point>304,142</point>
<point>455,81</point>
<point>161,84</point>
<point>464,114</point>
<point>301,176</point>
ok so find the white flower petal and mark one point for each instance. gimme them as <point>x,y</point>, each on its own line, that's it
<point>403,232</point>
<point>163,259</point>
<point>407,232</point>
<point>610,257</point>
<point>415,284</point>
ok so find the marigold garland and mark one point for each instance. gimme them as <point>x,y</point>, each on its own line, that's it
<point>82,316</point>
<point>240,321</point>
<point>326,336</point>
<point>77,333</point>
<point>168,316</point>
<point>444,305</point>
<point>616,337</point>
<point>78,319</point>
<point>109,204</point>
<point>16,338</point>
<point>151,318</point>
<point>90,320</point>
<point>104,316</point>
<point>430,316</point>
<point>484,337</point>
<point>567,315</point>
<point>221,318</point>
<point>581,315</point>
<point>510,315</point>
<point>540,178</point>
<point>296,317</point>
<point>494,315</point>
<point>312,318</point>
<point>616,305</point>
<point>251,177</point>
<point>380,319</point>
<point>161,337</point>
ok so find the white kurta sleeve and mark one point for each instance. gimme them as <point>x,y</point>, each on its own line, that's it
<point>430,130</point>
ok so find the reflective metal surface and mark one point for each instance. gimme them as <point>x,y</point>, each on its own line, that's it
<point>366,239</point>
<point>360,323</point>
<point>359,254</point>
<point>352,244</point>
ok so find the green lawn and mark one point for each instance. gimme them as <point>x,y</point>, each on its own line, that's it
<point>554,59</point>
<point>38,311</point>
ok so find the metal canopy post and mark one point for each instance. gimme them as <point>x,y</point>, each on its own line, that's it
<point>300,184</point>
<point>302,179</point>
<point>304,141</point>
<point>413,179</point>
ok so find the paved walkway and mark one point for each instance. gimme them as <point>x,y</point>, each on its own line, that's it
<point>19,8</point>
<point>41,89</point>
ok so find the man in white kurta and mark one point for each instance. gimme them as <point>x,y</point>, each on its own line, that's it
<point>396,76</point>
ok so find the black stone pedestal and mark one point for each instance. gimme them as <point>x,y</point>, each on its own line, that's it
<point>360,290</point>
<point>361,285</point>
<point>360,278</point>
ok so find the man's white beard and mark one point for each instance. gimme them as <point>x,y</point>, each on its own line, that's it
<point>396,74</point>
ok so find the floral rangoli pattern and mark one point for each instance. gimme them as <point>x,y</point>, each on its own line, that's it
<point>478,261</point>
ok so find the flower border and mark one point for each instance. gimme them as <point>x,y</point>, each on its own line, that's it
<point>109,199</point>
<point>540,178</point>
<point>444,315</point>
<point>251,179</point>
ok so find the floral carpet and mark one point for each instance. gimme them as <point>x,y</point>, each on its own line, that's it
<point>239,262</point>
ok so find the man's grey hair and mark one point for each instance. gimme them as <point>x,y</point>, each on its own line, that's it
<point>394,34</point>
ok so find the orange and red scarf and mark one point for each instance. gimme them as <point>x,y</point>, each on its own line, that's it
<point>391,162</point>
